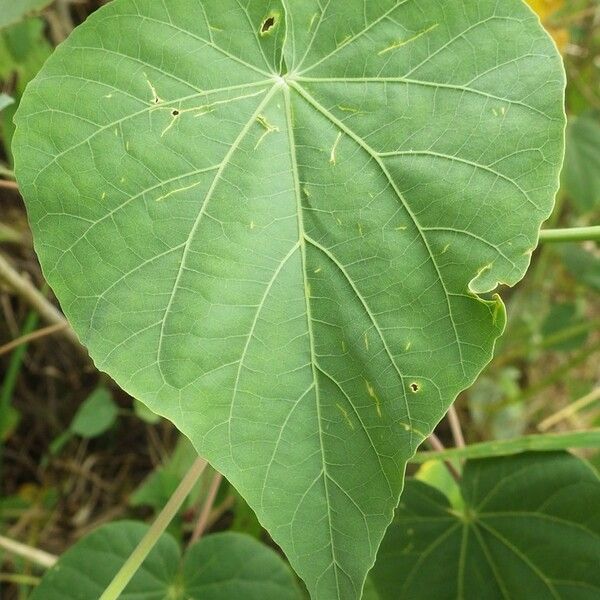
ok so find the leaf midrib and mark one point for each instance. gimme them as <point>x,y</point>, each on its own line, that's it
<point>302,241</point>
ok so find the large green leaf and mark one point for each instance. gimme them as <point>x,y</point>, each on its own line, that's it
<point>269,221</point>
<point>220,567</point>
<point>529,528</point>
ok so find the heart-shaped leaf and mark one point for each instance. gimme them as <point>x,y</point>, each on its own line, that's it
<point>269,220</point>
<point>529,527</point>
<point>219,567</point>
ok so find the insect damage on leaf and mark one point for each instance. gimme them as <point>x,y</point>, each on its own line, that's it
<point>268,24</point>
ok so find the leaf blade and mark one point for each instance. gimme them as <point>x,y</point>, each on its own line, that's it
<point>241,212</point>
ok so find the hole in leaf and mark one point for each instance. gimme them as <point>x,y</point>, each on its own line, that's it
<point>175,113</point>
<point>415,387</point>
<point>267,25</point>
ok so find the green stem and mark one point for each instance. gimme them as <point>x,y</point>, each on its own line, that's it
<point>544,442</point>
<point>137,557</point>
<point>573,234</point>
<point>6,172</point>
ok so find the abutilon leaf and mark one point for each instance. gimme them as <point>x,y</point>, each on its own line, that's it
<point>276,223</point>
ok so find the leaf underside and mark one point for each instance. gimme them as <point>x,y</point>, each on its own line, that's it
<point>529,528</point>
<point>269,220</point>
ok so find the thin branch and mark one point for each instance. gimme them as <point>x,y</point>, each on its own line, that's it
<point>6,172</point>
<point>435,442</point>
<point>137,557</point>
<point>204,517</point>
<point>9,185</point>
<point>569,411</point>
<point>36,335</point>
<point>26,290</point>
<point>39,557</point>
<point>454,421</point>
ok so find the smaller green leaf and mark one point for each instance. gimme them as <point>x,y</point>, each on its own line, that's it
<point>530,528</point>
<point>584,265</point>
<point>581,174</point>
<point>541,442</point>
<point>228,566</point>
<point>225,566</point>
<point>96,415</point>
<point>14,11</point>
<point>561,317</point>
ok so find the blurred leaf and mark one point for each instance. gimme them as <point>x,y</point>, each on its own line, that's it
<point>9,421</point>
<point>581,174</point>
<point>159,486</point>
<point>23,50</point>
<point>144,413</point>
<point>546,9</point>
<point>583,264</point>
<point>14,11</point>
<point>540,442</point>
<point>244,518</point>
<point>5,101</point>
<point>96,415</point>
<point>530,529</point>
<point>561,317</point>
<point>494,407</point>
<point>225,566</point>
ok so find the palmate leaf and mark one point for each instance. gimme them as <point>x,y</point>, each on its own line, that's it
<point>528,527</point>
<point>269,220</point>
<point>219,567</point>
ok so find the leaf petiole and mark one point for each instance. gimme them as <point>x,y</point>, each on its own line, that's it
<point>574,234</point>
<point>137,557</point>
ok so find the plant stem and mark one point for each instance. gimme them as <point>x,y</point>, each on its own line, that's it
<point>568,411</point>
<point>9,185</point>
<point>137,557</point>
<point>35,298</point>
<point>9,383</point>
<point>35,335</point>
<point>9,236</point>
<point>203,519</point>
<point>33,554</point>
<point>539,443</point>
<point>435,442</point>
<point>6,172</point>
<point>457,434</point>
<point>574,234</point>
<point>22,580</point>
